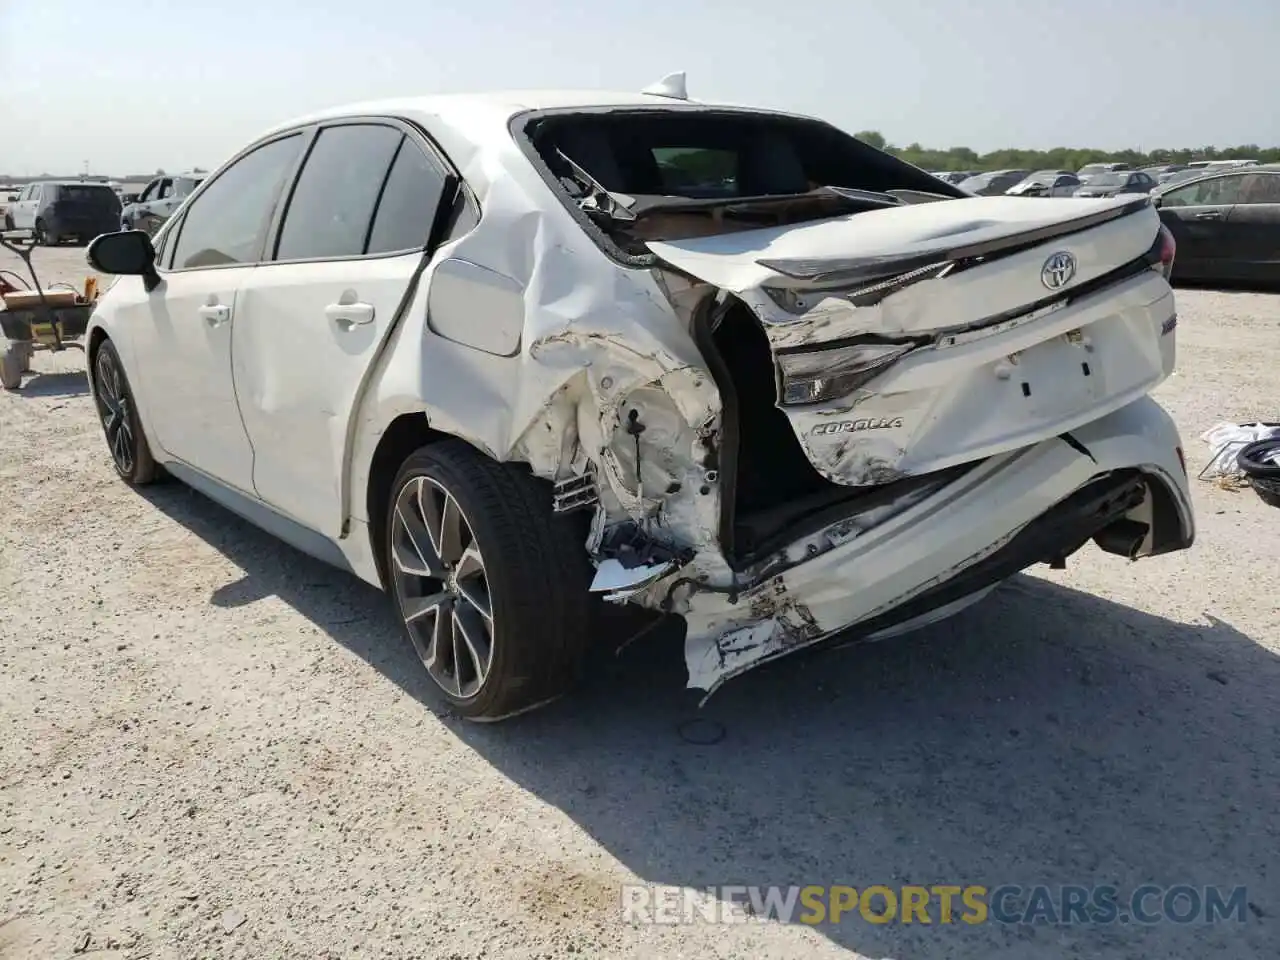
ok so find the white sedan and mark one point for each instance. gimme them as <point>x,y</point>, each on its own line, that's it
<point>510,355</point>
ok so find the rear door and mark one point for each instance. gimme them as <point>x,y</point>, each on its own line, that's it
<point>1197,215</point>
<point>310,322</point>
<point>1253,228</point>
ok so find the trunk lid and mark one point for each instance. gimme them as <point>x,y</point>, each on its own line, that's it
<point>914,338</point>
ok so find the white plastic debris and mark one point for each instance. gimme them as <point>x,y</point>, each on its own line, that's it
<point>1227,440</point>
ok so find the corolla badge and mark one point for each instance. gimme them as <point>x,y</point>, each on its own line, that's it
<point>1058,270</point>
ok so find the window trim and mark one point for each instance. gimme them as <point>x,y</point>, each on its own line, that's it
<point>307,131</point>
<point>412,133</point>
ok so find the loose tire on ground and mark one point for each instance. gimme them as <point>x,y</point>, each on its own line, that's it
<point>118,414</point>
<point>534,579</point>
<point>13,361</point>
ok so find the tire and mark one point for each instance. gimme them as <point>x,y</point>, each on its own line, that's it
<point>507,552</point>
<point>118,414</point>
<point>8,222</point>
<point>44,239</point>
<point>13,360</point>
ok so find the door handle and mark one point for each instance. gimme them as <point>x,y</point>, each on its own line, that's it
<point>1209,215</point>
<point>350,314</point>
<point>215,314</point>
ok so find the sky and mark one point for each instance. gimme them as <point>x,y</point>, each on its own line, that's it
<point>179,83</point>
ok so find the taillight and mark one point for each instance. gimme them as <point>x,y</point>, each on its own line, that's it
<point>1162,252</point>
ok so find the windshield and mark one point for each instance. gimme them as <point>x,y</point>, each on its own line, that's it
<point>1109,180</point>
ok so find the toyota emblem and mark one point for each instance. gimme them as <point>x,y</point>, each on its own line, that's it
<point>1058,270</point>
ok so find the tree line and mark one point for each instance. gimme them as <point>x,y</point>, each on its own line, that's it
<point>1059,158</point>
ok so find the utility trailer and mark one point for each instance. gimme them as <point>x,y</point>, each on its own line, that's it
<point>34,318</point>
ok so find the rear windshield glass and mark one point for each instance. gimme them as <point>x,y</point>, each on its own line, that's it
<point>704,155</point>
<point>86,193</point>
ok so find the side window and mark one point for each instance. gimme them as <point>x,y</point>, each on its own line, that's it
<point>409,202</point>
<point>1261,188</point>
<point>228,222</point>
<point>150,192</point>
<point>330,211</point>
<point>1201,193</point>
<point>166,189</point>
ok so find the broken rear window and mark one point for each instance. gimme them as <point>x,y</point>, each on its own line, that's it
<point>697,171</point>
<point>662,173</point>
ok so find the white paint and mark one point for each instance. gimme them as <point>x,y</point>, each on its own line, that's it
<point>525,340</point>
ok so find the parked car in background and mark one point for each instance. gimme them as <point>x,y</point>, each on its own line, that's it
<point>1046,183</point>
<point>56,210</point>
<point>1161,172</point>
<point>954,176</point>
<point>1091,170</point>
<point>1114,184</point>
<point>158,200</point>
<point>992,184</point>
<point>1182,176</point>
<point>613,385</point>
<point>1227,225</point>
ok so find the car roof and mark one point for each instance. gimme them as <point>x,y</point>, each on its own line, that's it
<point>73,183</point>
<point>493,111</point>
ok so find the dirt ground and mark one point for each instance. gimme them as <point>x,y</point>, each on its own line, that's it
<point>214,746</point>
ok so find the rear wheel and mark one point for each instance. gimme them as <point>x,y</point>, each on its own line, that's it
<point>491,586</point>
<point>119,415</point>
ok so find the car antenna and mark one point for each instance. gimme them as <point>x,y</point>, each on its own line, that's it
<point>671,86</point>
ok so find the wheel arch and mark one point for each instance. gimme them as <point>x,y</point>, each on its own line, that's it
<point>405,433</point>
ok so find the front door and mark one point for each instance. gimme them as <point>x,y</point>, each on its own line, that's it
<point>182,333</point>
<point>311,321</point>
<point>1197,216</point>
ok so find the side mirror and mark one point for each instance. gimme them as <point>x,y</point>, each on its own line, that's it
<point>125,253</point>
<point>12,197</point>
<point>1156,201</point>
<point>128,198</point>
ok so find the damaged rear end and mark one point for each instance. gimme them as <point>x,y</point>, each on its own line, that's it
<point>920,395</point>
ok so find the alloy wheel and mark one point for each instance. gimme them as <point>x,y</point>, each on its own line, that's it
<point>442,588</point>
<point>114,411</point>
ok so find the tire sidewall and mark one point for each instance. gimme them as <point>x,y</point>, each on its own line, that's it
<point>140,451</point>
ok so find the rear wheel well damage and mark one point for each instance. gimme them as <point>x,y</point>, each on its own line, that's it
<point>402,436</point>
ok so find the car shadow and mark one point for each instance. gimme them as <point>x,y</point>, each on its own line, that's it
<point>1046,736</point>
<point>66,383</point>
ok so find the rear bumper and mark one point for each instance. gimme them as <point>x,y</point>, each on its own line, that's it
<point>1005,514</point>
<point>85,229</point>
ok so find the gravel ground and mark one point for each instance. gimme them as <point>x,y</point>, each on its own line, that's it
<point>216,747</point>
